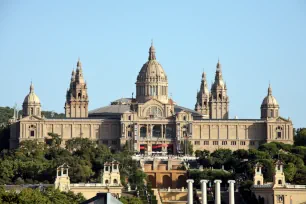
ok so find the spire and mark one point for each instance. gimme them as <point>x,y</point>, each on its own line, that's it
<point>73,75</point>
<point>203,76</point>
<point>219,65</point>
<point>79,64</point>
<point>270,90</point>
<point>152,52</point>
<point>31,88</point>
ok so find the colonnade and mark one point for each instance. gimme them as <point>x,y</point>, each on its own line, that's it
<point>231,191</point>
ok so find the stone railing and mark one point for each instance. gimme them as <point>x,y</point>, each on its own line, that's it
<point>295,186</point>
<point>93,185</point>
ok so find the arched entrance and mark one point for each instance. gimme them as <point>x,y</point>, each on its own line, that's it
<point>167,182</point>
<point>152,180</point>
<point>181,181</point>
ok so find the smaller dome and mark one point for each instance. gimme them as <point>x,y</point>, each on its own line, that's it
<point>31,97</point>
<point>269,100</point>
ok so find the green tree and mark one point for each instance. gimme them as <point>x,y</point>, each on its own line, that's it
<point>290,171</point>
<point>300,137</point>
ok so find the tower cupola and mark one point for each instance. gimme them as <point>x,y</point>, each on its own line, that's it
<point>31,104</point>
<point>269,106</point>
<point>76,105</point>
<point>202,104</point>
<point>219,101</point>
<point>152,80</point>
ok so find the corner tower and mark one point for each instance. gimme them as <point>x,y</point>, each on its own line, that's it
<point>152,82</point>
<point>219,101</point>
<point>202,105</point>
<point>31,104</point>
<point>76,105</point>
<point>269,106</point>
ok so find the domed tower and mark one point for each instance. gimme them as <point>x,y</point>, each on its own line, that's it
<point>202,105</point>
<point>219,101</point>
<point>269,107</point>
<point>76,105</point>
<point>31,104</point>
<point>152,81</point>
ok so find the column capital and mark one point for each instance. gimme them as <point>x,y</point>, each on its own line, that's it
<point>231,181</point>
<point>217,181</point>
<point>204,181</point>
<point>190,181</point>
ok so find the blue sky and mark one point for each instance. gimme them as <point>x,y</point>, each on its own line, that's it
<point>256,41</point>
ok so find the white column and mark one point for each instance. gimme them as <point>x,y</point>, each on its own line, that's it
<point>204,191</point>
<point>217,191</point>
<point>190,191</point>
<point>231,192</point>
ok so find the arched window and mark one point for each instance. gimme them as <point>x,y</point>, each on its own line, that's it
<point>106,181</point>
<point>280,182</point>
<point>79,95</point>
<point>258,182</point>
<point>220,96</point>
<point>32,111</point>
<point>184,118</point>
<point>115,181</point>
<point>258,169</point>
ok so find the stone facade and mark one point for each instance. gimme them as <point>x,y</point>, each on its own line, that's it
<point>152,122</point>
<point>110,183</point>
<point>278,191</point>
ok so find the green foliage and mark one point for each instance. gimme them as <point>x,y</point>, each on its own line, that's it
<point>246,193</point>
<point>51,114</point>
<point>35,162</point>
<point>5,114</point>
<point>34,196</point>
<point>130,200</point>
<point>187,147</point>
<point>241,162</point>
<point>300,137</point>
<point>209,174</point>
<point>290,171</point>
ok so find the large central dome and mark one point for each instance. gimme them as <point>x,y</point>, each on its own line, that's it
<point>152,80</point>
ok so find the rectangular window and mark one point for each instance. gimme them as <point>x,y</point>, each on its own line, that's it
<point>242,142</point>
<point>224,142</point>
<point>206,142</point>
<point>233,143</point>
<point>252,143</point>
<point>215,142</point>
<point>279,134</point>
<point>32,133</point>
<point>105,142</point>
<point>197,142</point>
<point>114,142</point>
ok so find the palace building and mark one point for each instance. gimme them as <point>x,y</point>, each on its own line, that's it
<point>152,122</point>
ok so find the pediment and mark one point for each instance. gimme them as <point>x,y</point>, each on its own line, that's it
<point>31,118</point>
<point>153,102</point>
<point>280,119</point>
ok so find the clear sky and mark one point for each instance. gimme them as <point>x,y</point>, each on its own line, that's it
<point>256,41</point>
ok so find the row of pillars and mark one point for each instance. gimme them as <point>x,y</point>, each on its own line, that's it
<point>217,191</point>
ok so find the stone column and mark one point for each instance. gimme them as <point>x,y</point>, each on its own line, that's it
<point>204,191</point>
<point>190,191</point>
<point>217,192</point>
<point>231,191</point>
